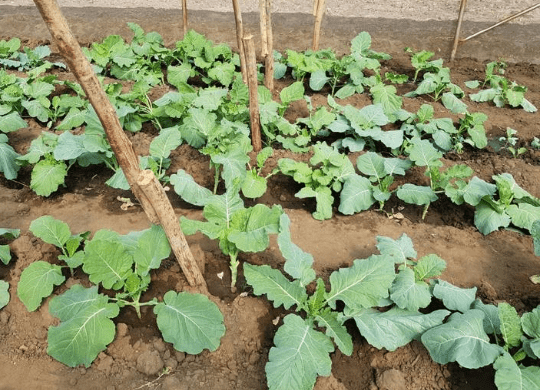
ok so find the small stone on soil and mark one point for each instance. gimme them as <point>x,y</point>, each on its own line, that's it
<point>392,380</point>
<point>149,363</point>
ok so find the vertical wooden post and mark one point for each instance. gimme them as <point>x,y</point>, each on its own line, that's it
<point>239,36</point>
<point>263,20</point>
<point>269,59</point>
<point>184,15</point>
<point>318,9</point>
<point>251,66</point>
<point>152,201</point>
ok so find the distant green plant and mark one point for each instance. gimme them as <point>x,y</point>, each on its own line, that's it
<point>501,91</point>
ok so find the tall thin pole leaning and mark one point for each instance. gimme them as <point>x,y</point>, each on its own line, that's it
<point>239,36</point>
<point>254,113</point>
<point>152,198</point>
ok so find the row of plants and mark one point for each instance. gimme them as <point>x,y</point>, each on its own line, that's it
<point>389,293</point>
<point>389,296</point>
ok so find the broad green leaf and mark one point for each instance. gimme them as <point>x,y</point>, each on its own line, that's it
<point>386,95</point>
<point>371,164</point>
<point>528,106</point>
<point>523,215</point>
<point>197,125</point>
<point>472,84</point>
<point>234,164</point>
<point>190,321</point>
<point>510,376</point>
<point>51,230</point>
<point>167,140</point>
<point>36,109</point>
<point>492,323</point>
<point>396,327</point>
<point>453,103</point>
<point>254,186</point>
<point>477,189</point>
<point>361,43</point>
<point>396,166</point>
<point>12,122</point>
<point>530,323</point>
<point>535,233</point>
<point>278,289</point>
<point>298,263</point>
<point>293,92</point>
<point>85,328</point>
<point>324,199</point>
<point>5,254</point>
<point>178,75</point>
<point>356,195</point>
<point>299,356</point>
<point>462,339</point>
<point>408,293</point>
<point>418,195</point>
<point>210,98</point>
<point>152,247</point>
<point>423,153</point>
<point>37,282</point>
<point>262,221</point>
<point>428,267</point>
<point>8,159</point>
<point>118,180</point>
<point>454,298</point>
<point>10,233</point>
<point>336,331</point>
<point>107,262</point>
<point>69,146</point>
<point>189,190</point>
<point>4,293</point>
<point>47,176</point>
<point>398,250</point>
<point>487,219</point>
<point>363,285</point>
<point>74,118</point>
<point>510,324</point>
<point>318,79</point>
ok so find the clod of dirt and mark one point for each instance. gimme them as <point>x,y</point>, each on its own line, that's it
<point>392,380</point>
<point>150,363</point>
<point>173,383</point>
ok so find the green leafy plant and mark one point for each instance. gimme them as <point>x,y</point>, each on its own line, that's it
<point>535,233</point>
<point>5,258</point>
<point>509,142</point>
<point>27,59</point>
<point>328,171</point>
<point>501,91</point>
<point>121,264</point>
<point>254,184</point>
<point>237,228</point>
<point>497,205</point>
<point>303,342</point>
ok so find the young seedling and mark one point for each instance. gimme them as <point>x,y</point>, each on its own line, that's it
<point>510,143</point>
<point>238,229</point>
<point>254,184</point>
<point>122,265</point>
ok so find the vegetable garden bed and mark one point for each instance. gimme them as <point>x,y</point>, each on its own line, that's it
<point>498,264</point>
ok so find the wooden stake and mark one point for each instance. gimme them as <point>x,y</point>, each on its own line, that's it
<point>167,217</point>
<point>184,15</point>
<point>251,66</point>
<point>263,19</point>
<point>239,36</point>
<point>319,13</point>
<point>78,64</point>
<point>269,59</point>
<point>458,29</point>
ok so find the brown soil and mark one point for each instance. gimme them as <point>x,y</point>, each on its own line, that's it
<point>498,264</point>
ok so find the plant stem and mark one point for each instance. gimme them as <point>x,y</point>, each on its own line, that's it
<point>234,269</point>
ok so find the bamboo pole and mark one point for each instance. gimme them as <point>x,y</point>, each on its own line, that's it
<point>269,59</point>
<point>239,36</point>
<point>458,29</point>
<point>150,200</point>
<point>184,15</point>
<point>318,8</point>
<point>251,66</point>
